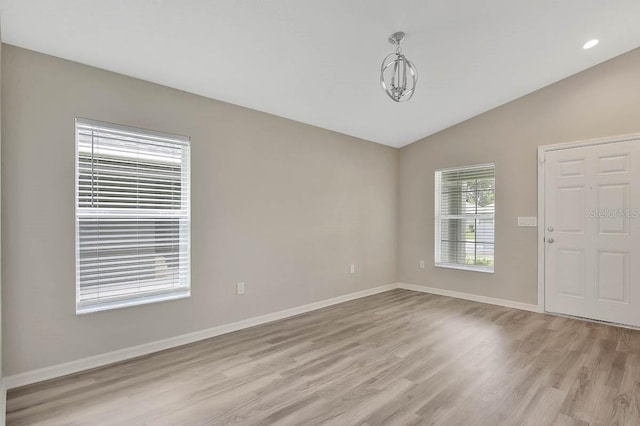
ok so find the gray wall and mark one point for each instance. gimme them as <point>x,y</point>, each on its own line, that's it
<point>280,205</point>
<point>602,101</point>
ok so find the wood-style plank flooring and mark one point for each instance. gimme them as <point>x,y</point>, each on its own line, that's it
<point>397,358</point>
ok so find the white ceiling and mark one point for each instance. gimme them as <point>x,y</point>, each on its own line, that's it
<point>318,61</point>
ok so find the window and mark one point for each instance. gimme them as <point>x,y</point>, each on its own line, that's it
<point>465,217</point>
<point>132,216</point>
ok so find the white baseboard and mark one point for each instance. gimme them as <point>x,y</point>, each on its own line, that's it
<point>71,367</point>
<point>101,360</point>
<point>472,297</point>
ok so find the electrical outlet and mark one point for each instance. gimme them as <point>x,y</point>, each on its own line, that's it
<point>240,288</point>
<point>421,264</point>
<point>352,269</point>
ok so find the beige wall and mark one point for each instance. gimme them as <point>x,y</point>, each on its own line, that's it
<point>602,101</point>
<point>280,205</point>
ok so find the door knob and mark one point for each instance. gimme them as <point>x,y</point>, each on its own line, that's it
<point>550,229</point>
<point>550,240</point>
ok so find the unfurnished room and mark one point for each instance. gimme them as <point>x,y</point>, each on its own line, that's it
<point>278,212</point>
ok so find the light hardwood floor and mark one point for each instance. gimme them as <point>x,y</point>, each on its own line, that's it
<point>397,358</point>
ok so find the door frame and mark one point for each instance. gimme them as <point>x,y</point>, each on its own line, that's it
<point>542,150</point>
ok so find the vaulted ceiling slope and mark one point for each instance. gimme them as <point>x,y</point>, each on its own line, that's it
<point>318,61</point>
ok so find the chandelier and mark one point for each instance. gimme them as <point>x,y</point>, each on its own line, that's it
<point>398,75</point>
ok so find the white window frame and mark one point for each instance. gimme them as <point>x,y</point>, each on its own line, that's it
<point>147,297</point>
<point>438,222</point>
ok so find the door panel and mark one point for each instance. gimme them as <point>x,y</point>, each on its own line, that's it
<point>613,202</point>
<point>613,164</point>
<point>570,210</point>
<point>570,272</point>
<point>571,168</point>
<point>613,276</point>
<point>592,239</point>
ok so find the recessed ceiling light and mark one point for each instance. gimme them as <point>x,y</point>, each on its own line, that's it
<point>590,44</point>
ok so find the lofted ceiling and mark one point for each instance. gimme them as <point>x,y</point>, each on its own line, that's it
<point>318,61</point>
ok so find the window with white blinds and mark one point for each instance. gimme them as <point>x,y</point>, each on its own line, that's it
<point>132,216</point>
<point>465,217</point>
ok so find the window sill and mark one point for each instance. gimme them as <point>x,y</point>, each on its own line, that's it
<point>117,304</point>
<point>472,268</point>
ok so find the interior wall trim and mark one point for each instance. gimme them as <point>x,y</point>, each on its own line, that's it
<point>55,371</point>
<point>59,370</point>
<point>472,297</point>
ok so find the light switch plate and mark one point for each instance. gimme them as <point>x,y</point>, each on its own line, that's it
<point>527,221</point>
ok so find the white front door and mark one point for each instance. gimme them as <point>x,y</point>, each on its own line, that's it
<point>592,232</point>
